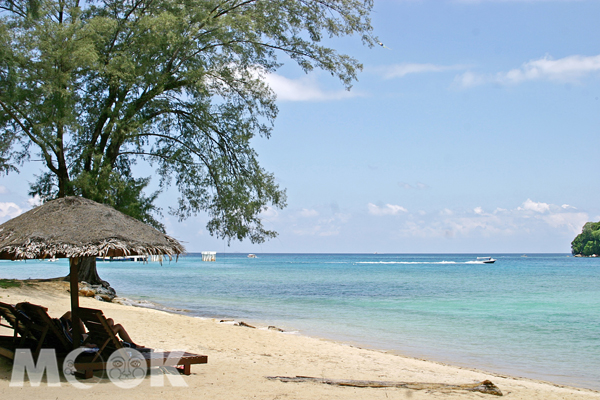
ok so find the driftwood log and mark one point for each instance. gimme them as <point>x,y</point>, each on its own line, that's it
<point>486,386</point>
<point>242,323</point>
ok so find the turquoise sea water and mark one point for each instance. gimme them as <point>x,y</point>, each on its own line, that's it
<point>535,316</point>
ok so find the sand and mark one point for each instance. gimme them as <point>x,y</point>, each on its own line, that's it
<point>240,359</point>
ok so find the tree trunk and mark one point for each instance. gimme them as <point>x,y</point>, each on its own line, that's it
<point>88,272</point>
<point>62,174</point>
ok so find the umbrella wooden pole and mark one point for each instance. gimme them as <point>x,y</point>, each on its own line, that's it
<point>74,286</point>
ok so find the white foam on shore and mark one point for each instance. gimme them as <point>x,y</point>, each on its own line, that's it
<point>157,306</point>
<point>148,304</point>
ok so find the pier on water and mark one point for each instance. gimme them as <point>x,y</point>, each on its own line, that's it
<point>209,256</point>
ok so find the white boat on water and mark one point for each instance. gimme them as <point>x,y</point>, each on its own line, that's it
<point>252,256</point>
<point>486,260</point>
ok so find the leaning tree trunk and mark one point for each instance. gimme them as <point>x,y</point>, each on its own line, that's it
<point>88,272</point>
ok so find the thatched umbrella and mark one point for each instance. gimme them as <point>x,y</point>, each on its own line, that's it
<point>76,228</point>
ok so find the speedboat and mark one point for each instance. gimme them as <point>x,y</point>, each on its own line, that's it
<point>486,260</point>
<point>252,256</point>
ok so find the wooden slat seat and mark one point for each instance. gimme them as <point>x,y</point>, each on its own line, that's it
<point>14,319</point>
<point>46,330</point>
<point>31,331</point>
<point>182,361</point>
<point>101,334</point>
<point>8,346</point>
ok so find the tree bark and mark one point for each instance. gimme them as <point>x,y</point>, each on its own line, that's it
<point>88,272</point>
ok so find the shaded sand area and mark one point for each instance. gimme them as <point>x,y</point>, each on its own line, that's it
<point>240,359</point>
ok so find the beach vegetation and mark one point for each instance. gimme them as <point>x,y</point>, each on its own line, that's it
<point>9,283</point>
<point>92,88</point>
<point>587,243</point>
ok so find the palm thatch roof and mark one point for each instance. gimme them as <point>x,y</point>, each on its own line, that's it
<point>78,227</point>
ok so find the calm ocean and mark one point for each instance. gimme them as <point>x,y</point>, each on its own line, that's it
<point>536,316</point>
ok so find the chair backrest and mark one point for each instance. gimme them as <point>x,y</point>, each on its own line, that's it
<point>16,320</point>
<point>99,331</point>
<point>43,328</point>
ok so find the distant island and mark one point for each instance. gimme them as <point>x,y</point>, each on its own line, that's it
<point>587,243</point>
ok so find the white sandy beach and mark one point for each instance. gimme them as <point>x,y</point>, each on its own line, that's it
<point>240,358</point>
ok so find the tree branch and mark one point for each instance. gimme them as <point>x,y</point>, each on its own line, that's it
<point>31,136</point>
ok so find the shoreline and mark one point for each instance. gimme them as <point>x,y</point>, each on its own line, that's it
<point>354,343</point>
<point>246,356</point>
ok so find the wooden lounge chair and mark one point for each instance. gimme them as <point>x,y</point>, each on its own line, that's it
<point>27,332</point>
<point>45,330</point>
<point>8,344</point>
<point>101,334</point>
<point>9,313</point>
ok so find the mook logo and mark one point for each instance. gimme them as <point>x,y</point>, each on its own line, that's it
<point>126,368</point>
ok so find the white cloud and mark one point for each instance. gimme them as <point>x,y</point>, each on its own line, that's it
<point>302,89</point>
<point>331,226</point>
<point>35,201</point>
<point>9,210</point>
<point>269,212</point>
<point>572,221</point>
<point>453,225</point>
<point>401,70</point>
<point>564,69</point>
<point>567,69</point>
<point>306,213</point>
<point>521,222</point>
<point>513,1</point>
<point>465,225</point>
<point>342,217</point>
<point>469,79</point>
<point>530,205</point>
<point>417,186</point>
<point>388,209</point>
<point>528,218</point>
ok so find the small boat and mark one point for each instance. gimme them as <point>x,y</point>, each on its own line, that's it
<point>486,260</point>
<point>252,256</point>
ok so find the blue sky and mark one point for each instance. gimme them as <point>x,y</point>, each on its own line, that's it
<point>475,129</point>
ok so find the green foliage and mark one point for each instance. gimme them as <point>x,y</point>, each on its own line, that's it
<point>8,283</point>
<point>94,86</point>
<point>588,241</point>
<point>122,192</point>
